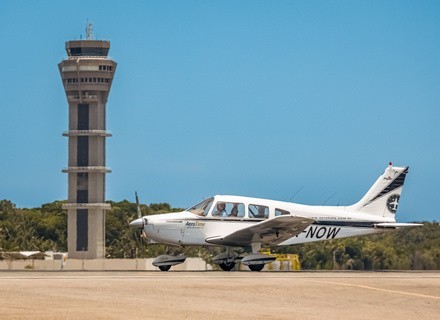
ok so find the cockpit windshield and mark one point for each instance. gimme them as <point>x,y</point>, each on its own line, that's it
<point>202,208</point>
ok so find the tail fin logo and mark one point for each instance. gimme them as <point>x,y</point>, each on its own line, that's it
<point>393,202</point>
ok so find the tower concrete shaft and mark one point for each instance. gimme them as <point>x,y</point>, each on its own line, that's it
<point>87,75</point>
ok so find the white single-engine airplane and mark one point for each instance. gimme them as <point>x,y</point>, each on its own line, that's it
<point>236,221</point>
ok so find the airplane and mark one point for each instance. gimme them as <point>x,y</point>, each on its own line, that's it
<point>237,221</point>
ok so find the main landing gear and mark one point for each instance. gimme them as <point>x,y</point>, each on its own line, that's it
<point>226,260</point>
<point>226,266</point>
<point>254,261</point>
<point>165,261</point>
<point>164,268</point>
<point>256,267</point>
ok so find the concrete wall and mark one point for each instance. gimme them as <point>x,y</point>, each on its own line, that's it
<point>191,264</point>
<point>30,265</point>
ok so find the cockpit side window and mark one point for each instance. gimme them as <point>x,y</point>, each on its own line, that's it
<point>257,211</point>
<point>228,210</point>
<point>281,212</point>
<point>202,208</point>
<point>237,210</point>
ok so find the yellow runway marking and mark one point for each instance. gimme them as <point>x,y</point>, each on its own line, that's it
<point>420,295</point>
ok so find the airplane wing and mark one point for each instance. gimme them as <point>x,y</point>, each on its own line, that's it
<point>272,232</point>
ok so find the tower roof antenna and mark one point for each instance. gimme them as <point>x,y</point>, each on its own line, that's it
<point>89,30</point>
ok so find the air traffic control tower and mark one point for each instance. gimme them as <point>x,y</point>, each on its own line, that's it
<point>87,76</point>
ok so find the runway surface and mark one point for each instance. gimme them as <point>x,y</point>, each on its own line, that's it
<point>219,295</point>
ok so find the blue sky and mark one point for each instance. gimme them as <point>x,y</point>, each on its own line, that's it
<point>290,100</point>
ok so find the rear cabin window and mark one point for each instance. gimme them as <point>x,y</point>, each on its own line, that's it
<point>257,211</point>
<point>228,210</point>
<point>281,212</point>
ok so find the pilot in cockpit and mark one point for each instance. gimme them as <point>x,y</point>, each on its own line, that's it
<point>220,210</point>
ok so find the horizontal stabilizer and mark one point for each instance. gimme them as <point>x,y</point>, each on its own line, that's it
<point>396,225</point>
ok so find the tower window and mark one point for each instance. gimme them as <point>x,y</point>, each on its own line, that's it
<point>82,227</point>
<point>105,68</point>
<point>82,181</point>
<point>82,196</point>
<point>82,152</point>
<point>83,116</point>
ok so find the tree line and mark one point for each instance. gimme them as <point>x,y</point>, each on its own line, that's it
<point>45,229</point>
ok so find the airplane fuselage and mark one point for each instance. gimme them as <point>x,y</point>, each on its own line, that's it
<point>187,228</point>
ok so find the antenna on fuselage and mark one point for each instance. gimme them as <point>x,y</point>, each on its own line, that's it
<point>329,198</point>
<point>297,191</point>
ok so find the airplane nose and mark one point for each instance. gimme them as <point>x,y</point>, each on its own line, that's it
<point>139,223</point>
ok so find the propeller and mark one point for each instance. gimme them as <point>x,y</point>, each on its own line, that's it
<point>140,222</point>
<point>138,205</point>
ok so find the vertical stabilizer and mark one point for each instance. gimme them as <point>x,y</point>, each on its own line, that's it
<point>383,197</point>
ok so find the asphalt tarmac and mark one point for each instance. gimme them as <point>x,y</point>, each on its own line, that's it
<point>219,295</point>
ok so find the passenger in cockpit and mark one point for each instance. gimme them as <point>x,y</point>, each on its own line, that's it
<point>220,210</point>
<point>234,210</point>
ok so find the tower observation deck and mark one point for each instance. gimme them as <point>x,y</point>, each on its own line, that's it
<point>87,75</point>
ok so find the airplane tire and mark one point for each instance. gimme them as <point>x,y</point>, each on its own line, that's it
<point>256,267</point>
<point>227,267</point>
<point>164,268</point>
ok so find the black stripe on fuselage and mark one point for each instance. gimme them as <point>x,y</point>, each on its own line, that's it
<point>358,224</point>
